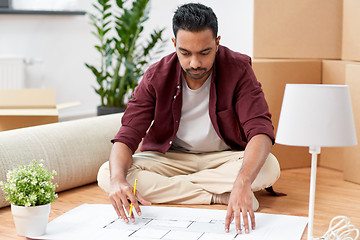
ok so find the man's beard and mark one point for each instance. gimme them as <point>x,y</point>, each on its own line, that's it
<point>197,73</point>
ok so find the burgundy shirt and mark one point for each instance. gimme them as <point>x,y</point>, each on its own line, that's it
<point>237,107</point>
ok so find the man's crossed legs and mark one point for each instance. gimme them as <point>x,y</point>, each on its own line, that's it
<point>186,178</point>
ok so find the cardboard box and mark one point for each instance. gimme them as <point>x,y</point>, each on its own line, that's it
<point>298,29</point>
<point>351,30</point>
<point>274,75</point>
<point>27,107</point>
<point>352,154</point>
<point>334,72</point>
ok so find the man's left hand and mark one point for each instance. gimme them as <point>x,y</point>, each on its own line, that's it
<point>240,203</point>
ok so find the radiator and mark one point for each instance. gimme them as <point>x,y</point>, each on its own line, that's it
<point>12,73</point>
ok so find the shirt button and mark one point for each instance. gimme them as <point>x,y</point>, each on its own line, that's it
<point>170,142</point>
<point>178,86</point>
<point>174,97</point>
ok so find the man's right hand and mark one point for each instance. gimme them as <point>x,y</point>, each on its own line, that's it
<point>120,190</point>
<point>120,193</point>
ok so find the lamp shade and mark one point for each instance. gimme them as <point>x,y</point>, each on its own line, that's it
<point>316,115</point>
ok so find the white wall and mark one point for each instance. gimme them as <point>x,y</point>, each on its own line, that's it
<point>63,44</point>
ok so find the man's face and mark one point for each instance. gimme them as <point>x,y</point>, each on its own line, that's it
<point>196,52</point>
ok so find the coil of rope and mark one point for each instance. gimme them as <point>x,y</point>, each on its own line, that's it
<point>340,228</point>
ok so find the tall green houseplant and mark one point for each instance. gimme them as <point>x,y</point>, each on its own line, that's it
<point>124,57</point>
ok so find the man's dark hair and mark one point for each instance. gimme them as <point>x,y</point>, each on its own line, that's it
<point>195,17</point>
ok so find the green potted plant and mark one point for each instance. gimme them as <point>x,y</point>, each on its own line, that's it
<point>123,56</point>
<point>30,191</point>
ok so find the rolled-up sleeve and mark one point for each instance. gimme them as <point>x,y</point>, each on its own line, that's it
<point>252,108</point>
<point>138,115</point>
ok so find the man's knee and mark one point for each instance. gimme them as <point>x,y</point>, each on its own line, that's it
<point>274,167</point>
<point>103,177</point>
<point>268,175</point>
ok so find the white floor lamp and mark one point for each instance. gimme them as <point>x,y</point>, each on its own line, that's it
<point>316,115</point>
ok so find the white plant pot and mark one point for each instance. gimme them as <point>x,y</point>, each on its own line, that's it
<point>30,221</point>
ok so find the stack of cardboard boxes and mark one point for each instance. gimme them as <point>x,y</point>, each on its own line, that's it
<point>309,41</point>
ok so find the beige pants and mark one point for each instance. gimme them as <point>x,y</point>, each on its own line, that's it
<point>185,178</point>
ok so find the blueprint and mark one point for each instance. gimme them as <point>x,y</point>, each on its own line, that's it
<point>99,221</point>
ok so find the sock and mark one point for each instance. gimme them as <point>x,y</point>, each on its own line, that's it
<point>224,199</point>
<point>220,198</point>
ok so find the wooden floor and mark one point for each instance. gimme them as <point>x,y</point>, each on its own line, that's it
<point>333,197</point>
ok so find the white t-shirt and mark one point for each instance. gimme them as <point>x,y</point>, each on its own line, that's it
<point>196,133</point>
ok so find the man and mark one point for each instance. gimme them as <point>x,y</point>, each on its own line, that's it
<point>205,126</point>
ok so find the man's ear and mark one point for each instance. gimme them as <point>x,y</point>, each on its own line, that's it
<point>217,42</point>
<point>174,41</point>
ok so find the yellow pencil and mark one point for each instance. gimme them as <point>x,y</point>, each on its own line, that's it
<point>131,206</point>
